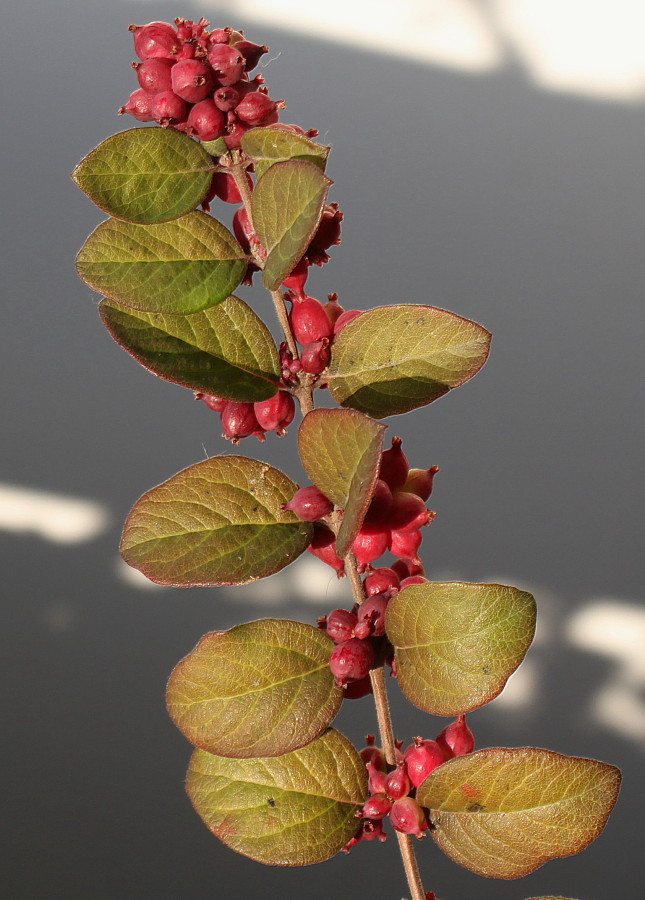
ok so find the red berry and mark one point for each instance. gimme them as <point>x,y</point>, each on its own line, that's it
<point>309,321</point>
<point>227,62</point>
<point>371,616</point>
<point>154,75</point>
<point>256,108</point>
<point>251,53</point>
<point>192,80</point>
<point>370,543</point>
<point>223,186</point>
<point>380,580</point>
<point>138,105</point>
<point>168,109</point>
<point>394,465</point>
<point>327,234</point>
<point>296,279</point>
<point>422,758</point>
<point>376,807</point>
<point>405,544</point>
<point>238,421</point>
<point>212,402</point>
<point>351,660</point>
<point>413,579</point>
<point>376,778</point>
<point>357,689</point>
<point>419,481</point>
<point>309,503</point>
<point>407,816</point>
<point>205,121</point>
<point>345,317</point>
<point>315,356</point>
<point>339,625</point>
<point>243,229</point>
<point>234,134</point>
<point>373,755</point>
<point>405,568</point>
<point>323,545</point>
<point>397,783</point>
<point>380,504</point>
<point>275,413</point>
<point>333,308</point>
<point>156,39</point>
<point>226,98</point>
<point>408,512</point>
<point>457,738</point>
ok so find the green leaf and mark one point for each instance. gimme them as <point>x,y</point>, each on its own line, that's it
<point>225,350</point>
<point>260,689</point>
<point>456,644</point>
<point>215,148</point>
<point>392,359</point>
<point>291,810</point>
<point>286,207</point>
<point>340,450</point>
<point>267,146</point>
<point>182,266</point>
<point>219,521</point>
<point>146,175</point>
<point>503,812</point>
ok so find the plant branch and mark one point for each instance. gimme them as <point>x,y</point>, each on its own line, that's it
<point>381,702</point>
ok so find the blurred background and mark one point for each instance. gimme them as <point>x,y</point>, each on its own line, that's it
<point>488,157</point>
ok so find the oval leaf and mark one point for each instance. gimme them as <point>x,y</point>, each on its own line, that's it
<point>260,689</point>
<point>266,146</point>
<point>291,810</point>
<point>456,644</point>
<point>146,175</point>
<point>286,207</point>
<point>503,812</point>
<point>217,522</point>
<point>225,350</point>
<point>340,450</point>
<point>392,359</point>
<point>182,266</point>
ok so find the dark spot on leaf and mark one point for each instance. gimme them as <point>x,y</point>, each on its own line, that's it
<point>271,802</point>
<point>485,670</point>
<point>475,807</point>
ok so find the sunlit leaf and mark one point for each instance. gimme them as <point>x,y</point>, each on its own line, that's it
<point>225,350</point>
<point>340,450</point>
<point>182,266</point>
<point>286,207</point>
<point>290,810</point>
<point>395,358</point>
<point>503,812</point>
<point>266,146</point>
<point>260,689</point>
<point>456,644</point>
<point>219,521</point>
<point>146,175</point>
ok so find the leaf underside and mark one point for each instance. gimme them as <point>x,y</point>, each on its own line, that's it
<point>267,146</point>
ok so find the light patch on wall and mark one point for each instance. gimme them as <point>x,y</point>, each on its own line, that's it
<point>54,517</point>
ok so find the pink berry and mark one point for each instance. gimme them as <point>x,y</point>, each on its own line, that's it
<point>223,186</point>
<point>227,62</point>
<point>413,579</point>
<point>168,109</point>
<point>275,413</point>
<point>296,279</point>
<point>255,108</point>
<point>405,544</point>
<point>380,580</point>
<point>315,356</point>
<point>376,807</point>
<point>422,758</point>
<point>456,738</point>
<point>374,755</point>
<point>346,317</point>
<point>339,625</point>
<point>333,308</point>
<point>251,53</point>
<point>407,816</point>
<point>379,509</point>
<point>226,98</point>
<point>405,568</point>
<point>351,660</point>
<point>394,465</point>
<point>397,783</point>
<point>138,105</point>
<point>238,421</point>
<point>234,134</point>
<point>192,80</point>
<point>370,543</point>
<point>243,230</point>
<point>309,321</point>
<point>212,402</point>
<point>309,503</point>
<point>323,545</point>
<point>156,39</point>
<point>371,616</point>
<point>154,75</point>
<point>376,778</point>
<point>408,512</point>
<point>205,121</point>
<point>419,481</point>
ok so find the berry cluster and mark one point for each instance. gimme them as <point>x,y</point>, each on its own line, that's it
<point>392,789</point>
<point>240,419</point>
<point>197,81</point>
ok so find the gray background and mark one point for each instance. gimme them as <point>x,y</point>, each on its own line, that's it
<point>516,207</point>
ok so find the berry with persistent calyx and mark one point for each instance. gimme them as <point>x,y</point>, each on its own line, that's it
<point>323,545</point>
<point>217,404</point>
<point>155,74</point>
<point>192,80</point>
<point>394,465</point>
<point>275,413</point>
<point>375,807</point>
<point>413,579</point>
<point>251,52</point>
<point>138,105</point>
<point>346,317</point>
<point>339,624</point>
<point>408,512</point>
<point>238,421</point>
<point>257,108</point>
<point>420,481</point>
<point>405,568</point>
<point>376,778</point>
<point>333,308</point>
<point>408,817</point>
<point>156,39</point>
<point>327,234</point>
<point>308,319</point>
<point>397,783</point>
<point>295,280</point>
<point>315,356</point>
<point>351,660</point>
<point>205,121</point>
<point>354,690</point>
<point>405,544</point>
<point>370,543</point>
<point>380,580</point>
<point>371,616</point>
<point>421,758</point>
<point>168,109</point>
<point>370,830</point>
<point>373,754</point>
<point>227,62</point>
<point>226,98</point>
<point>456,739</point>
<point>309,503</point>
<point>379,509</point>
<point>234,133</point>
